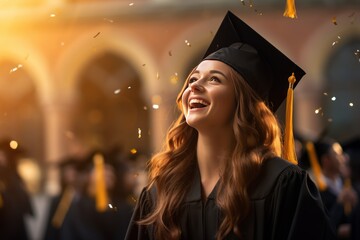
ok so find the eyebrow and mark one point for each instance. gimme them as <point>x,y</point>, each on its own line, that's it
<point>212,72</point>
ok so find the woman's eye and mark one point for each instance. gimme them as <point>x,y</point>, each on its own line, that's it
<point>214,79</point>
<point>191,80</point>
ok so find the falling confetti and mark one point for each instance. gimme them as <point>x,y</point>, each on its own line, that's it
<point>357,54</point>
<point>351,104</point>
<point>334,21</point>
<point>174,79</point>
<point>129,87</point>
<point>317,111</point>
<point>96,35</point>
<point>139,133</point>
<point>16,68</point>
<point>117,91</point>
<point>133,151</point>
<point>53,15</point>
<point>155,106</point>
<point>187,43</point>
<point>333,98</point>
<point>131,4</point>
<point>109,20</point>
<point>325,93</point>
<point>336,42</point>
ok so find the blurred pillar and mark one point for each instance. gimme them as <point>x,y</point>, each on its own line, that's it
<point>56,118</point>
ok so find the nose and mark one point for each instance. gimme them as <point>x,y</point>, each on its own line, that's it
<point>196,86</point>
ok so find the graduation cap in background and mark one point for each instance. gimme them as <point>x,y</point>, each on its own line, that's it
<point>267,70</point>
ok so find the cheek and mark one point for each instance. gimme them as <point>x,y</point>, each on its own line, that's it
<point>184,100</point>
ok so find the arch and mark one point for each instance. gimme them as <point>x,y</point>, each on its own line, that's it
<point>82,51</point>
<point>17,50</point>
<point>314,57</point>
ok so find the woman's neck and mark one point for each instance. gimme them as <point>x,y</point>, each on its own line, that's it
<point>212,151</point>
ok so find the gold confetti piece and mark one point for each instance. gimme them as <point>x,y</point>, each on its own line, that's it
<point>96,35</point>
<point>53,15</point>
<point>16,68</point>
<point>174,79</point>
<point>351,104</point>
<point>129,87</point>
<point>131,4</point>
<point>117,91</point>
<point>139,133</point>
<point>357,54</point>
<point>333,98</point>
<point>155,106</point>
<point>325,93</point>
<point>334,21</point>
<point>317,111</point>
<point>109,20</point>
<point>133,151</point>
<point>187,43</point>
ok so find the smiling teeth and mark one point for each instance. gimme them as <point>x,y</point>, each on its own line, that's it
<point>198,101</point>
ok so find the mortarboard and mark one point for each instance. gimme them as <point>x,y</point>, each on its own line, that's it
<point>263,66</point>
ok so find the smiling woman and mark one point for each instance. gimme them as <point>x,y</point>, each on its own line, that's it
<point>220,174</point>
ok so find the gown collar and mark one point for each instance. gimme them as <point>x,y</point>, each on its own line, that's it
<point>194,193</point>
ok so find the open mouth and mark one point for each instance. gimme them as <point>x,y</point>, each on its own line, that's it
<point>198,103</point>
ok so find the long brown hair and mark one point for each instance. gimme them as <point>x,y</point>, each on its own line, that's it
<point>258,137</point>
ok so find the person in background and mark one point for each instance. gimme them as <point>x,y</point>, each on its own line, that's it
<point>352,149</point>
<point>61,203</point>
<point>85,220</point>
<point>339,196</point>
<point>220,174</point>
<point>15,202</point>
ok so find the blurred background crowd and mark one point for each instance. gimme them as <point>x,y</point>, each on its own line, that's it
<point>88,88</point>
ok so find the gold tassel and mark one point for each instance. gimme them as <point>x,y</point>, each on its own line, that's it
<point>347,205</point>
<point>320,182</point>
<point>290,10</point>
<point>289,145</point>
<point>63,207</point>
<point>100,187</point>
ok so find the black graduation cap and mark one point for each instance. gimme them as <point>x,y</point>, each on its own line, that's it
<point>263,66</point>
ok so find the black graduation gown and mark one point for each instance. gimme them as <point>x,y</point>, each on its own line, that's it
<point>84,222</point>
<point>285,205</point>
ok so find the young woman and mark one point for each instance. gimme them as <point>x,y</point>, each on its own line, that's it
<point>220,175</point>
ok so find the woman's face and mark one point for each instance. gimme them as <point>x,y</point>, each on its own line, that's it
<point>209,99</point>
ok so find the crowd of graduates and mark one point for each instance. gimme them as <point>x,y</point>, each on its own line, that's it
<point>335,168</point>
<point>100,208</point>
<point>96,201</point>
